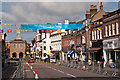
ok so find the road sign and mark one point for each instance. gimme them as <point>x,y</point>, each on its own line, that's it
<point>72,42</point>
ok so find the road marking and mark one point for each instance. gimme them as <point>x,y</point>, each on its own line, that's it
<point>49,67</point>
<point>26,70</point>
<point>34,72</point>
<point>53,68</point>
<point>60,71</point>
<point>71,75</point>
<point>63,72</point>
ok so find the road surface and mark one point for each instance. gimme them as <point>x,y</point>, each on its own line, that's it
<point>47,71</point>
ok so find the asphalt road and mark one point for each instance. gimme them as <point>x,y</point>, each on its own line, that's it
<point>48,71</point>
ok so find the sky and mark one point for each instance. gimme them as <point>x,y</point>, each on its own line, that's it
<point>45,12</point>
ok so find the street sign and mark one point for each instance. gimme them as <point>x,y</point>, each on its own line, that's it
<point>72,42</point>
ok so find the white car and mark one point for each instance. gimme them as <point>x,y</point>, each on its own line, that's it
<point>37,57</point>
<point>52,60</point>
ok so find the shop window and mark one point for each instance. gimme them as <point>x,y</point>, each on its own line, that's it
<point>15,46</point>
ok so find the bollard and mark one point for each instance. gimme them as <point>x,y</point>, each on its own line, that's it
<point>36,76</point>
<point>59,63</point>
<point>83,67</point>
<point>28,65</point>
<point>31,68</point>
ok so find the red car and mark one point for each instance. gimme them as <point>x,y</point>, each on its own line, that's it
<point>31,61</point>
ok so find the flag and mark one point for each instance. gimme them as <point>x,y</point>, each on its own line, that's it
<point>59,31</point>
<point>101,22</point>
<point>50,31</point>
<point>1,30</point>
<point>42,31</point>
<point>17,30</point>
<point>9,30</point>
<point>99,29</point>
<point>11,24</point>
<point>49,52</point>
<point>26,30</point>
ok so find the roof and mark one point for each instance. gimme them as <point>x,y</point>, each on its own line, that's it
<point>16,40</point>
<point>81,22</point>
<point>72,22</point>
<point>98,15</point>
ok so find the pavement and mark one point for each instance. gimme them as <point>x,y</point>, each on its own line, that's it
<point>47,71</point>
<point>7,72</point>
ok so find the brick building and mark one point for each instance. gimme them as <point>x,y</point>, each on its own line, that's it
<point>17,47</point>
<point>111,36</point>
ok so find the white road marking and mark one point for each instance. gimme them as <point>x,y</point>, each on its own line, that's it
<point>34,72</point>
<point>71,75</point>
<point>60,71</point>
<point>26,70</point>
<point>64,73</point>
<point>53,68</point>
<point>49,67</point>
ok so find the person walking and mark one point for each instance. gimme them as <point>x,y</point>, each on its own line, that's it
<point>102,62</point>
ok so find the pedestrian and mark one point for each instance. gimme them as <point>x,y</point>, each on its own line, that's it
<point>69,58</point>
<point>111,63</point>
<point>102,61</point>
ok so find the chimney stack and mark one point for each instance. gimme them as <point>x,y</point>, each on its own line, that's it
<point>88,16</point>
<point>101,6</point>
<point>93,9</point>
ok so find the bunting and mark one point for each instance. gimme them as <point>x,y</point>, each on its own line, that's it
<point>59,31</point>
<point>18,30</point>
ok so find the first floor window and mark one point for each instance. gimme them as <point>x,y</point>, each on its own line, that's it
<point>44,54</point>
<point>113,29</point>
<point>106,31</point>
<point>92,35</point>
<point>100,33</point>
<point>15,46</point>
<point>83,39</point>
<point>109,30</point>
<point>21,46</point>
<point>117,28</point>
<point>44,47</point>
<point>95,34</point>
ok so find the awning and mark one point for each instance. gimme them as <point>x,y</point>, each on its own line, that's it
<point>93,49</point>
<point>71,52</point>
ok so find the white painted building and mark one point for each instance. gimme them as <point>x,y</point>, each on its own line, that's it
<point>46,43</point>
<point>56,43</point>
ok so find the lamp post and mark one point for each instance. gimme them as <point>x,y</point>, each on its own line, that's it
<point>87,43</point>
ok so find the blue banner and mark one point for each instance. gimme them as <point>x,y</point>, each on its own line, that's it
<point>51,26</point>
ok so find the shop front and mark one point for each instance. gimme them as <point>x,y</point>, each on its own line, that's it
<point>111,49</point>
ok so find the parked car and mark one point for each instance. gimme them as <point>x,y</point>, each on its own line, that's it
<point>37,57</point>
<point>52,60</point>
<point>31,60</point>
<point>13,61</point>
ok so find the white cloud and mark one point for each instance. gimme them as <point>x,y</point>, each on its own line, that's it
<point>7,17</point>
<point>60,0</point>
